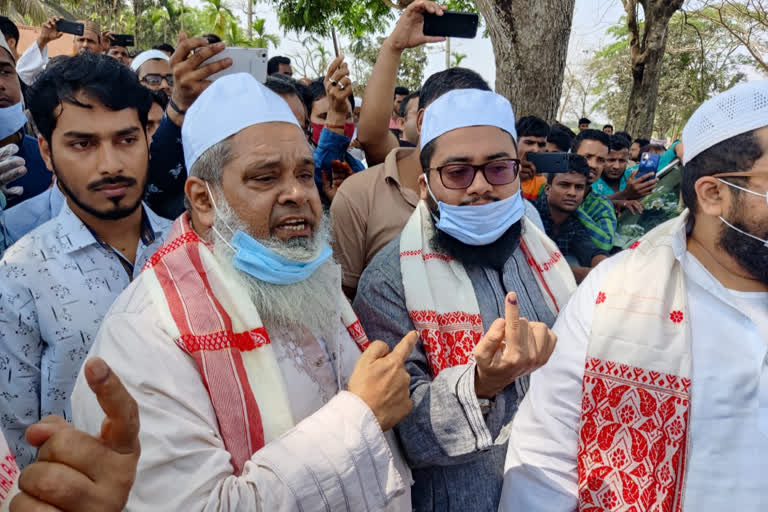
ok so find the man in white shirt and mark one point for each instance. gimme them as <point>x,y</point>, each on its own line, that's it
<point>35,59</point>
<point>656,396</point>
<point>58,281</point>
<point>237,342</point>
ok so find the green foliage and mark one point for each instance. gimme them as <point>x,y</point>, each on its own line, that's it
<point>699,61</point>
<point>353,18</point>
<point>412,64</point>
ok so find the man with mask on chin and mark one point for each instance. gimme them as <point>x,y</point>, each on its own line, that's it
<point>656,397</point>
<point>237,342</point>
<point>57,282</point>
<point>468,271</point>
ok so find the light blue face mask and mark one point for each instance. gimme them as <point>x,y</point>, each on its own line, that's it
<point>12,119</point>
<point>750,235</point>
<point>479,225</point>
<point>263,263</point>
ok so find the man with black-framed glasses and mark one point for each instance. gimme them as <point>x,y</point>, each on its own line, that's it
<point>468,271</point>
<point>153,68</point>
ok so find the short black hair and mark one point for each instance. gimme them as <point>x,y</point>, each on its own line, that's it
<point>9,28</point>
<point>641,142</point>
<point>584,120</point>
<point>562,139</point>
<point>564,128</point>
<point>273,65</point>
<point>626,135</point>
<point>590,134</point>
<point>450,80</point>
<point>652,147</point>
<point>406,100</point>
<point>577,164</point>
<point>96,75</point>
<point>737,154</point>
<point>532,126</point>
<point>160,98</point>
<point>282,84</point>
<point>164,47</point>
<point>211,38</point>
<point>401,91</point>
<point>317,91</point>
<point>618,142</point>
<point>608,126</point>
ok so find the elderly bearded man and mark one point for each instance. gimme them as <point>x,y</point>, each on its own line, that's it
<point>466,257</point>
<point>236,340</point>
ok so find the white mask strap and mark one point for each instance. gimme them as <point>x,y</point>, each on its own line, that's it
<point>750,235</point>
<point>215,212</point>
<point>744,189</point>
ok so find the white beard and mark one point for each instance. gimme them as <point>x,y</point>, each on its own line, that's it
<point>312,303</point>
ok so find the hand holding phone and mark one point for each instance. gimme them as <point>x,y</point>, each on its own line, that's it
<point>451,24</point>
<point>70,27</point>
<point>549,162</point>
<point>244,60</point>
<point>649,164</point>
<point>48,32</point>
<point>409,31</point>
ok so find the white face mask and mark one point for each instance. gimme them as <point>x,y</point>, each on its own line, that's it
<point>750,235</point>
<point>12,119</point>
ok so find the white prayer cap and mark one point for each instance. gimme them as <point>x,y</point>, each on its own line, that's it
<point>738,110</point>
<point>227,106</point>
<point>143,57</point>
<point>463,108</point>
<point>6,47</point>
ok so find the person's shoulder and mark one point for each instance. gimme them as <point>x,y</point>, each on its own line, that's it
<point>385,265</point>
<point>31,248</point>
<point>362,180</point>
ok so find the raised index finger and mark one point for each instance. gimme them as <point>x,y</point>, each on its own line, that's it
<point>403,349</point>
<point>120,429</point>
<point>511,318</point>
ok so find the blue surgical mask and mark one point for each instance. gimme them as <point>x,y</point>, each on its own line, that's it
<point>750,235</point>
<point>264,264</point>
<point>12,119</point>
<point>482,224</point>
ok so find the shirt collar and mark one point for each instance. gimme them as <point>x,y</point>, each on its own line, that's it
<point>391,171</point>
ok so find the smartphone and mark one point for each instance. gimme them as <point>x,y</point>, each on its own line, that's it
<point>70,27</point>
<point>244,60</point>
<point>549,162</point>
<point>649,164</point>
<point>451,24</point>
<point>124,40</point>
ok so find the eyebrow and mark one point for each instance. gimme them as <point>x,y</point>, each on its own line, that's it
<point>85,135</point>
<point>266,163</point>
<point>467,159</point>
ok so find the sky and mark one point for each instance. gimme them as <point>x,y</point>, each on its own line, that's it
<point>590,21</point>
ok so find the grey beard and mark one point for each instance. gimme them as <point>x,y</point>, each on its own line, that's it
<point>312,303</point>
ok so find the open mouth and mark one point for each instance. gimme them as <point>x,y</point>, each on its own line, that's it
<point>296,226</point>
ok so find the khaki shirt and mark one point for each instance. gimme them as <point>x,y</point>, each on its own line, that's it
<point>369,210</point>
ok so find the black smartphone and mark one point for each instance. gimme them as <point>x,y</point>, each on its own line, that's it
<point>70,27</point>
<point>451,24</point>
<point>549,162</point>
<point>124,40</point>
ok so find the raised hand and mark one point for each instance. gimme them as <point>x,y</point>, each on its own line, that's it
<point>338,87</point>
<point>512,347</point>
<point>48,32</point>
<point>76,471</point>
<point>638,188</point>
<point>409,31</point>
<point>11,168</point>
<point>381,381</point>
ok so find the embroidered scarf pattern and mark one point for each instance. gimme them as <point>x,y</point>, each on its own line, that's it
<point>633,437</point>
<point>218,325</point>
<point>441,300</point>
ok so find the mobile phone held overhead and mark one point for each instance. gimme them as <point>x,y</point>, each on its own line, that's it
<point>244,60</point>
<point>70,27</point>
<point>451,24</point>
<point>124,40</point>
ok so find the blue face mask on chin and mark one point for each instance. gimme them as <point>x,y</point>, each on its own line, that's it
<point>478,225</point>
<point>264,264</point>
<point>12,119</point>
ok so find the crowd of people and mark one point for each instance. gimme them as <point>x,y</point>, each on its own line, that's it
<point>224,295</point>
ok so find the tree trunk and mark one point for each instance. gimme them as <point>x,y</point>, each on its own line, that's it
<point>646,55</point>
<point>530,45</point>
<point>250,20</point>
<point>447,53</point>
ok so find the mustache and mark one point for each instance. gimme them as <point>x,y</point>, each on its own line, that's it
<point>112,180</point>
<point>478,199</point>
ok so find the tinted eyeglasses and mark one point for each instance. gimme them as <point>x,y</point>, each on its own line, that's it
<point>157,79</point>
<point>461,176</point>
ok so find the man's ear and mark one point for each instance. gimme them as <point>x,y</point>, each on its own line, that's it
<point>711,195</point>
<point>419,120</point>
<point>200,201</point>
<point>423,192</point>
<point>45,152</point>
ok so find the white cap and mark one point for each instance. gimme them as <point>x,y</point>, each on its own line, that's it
<point>463,108</point>
<point>738,110</point>
<point>4,45</point>
<point>227,106</point>
<point>143,57</point>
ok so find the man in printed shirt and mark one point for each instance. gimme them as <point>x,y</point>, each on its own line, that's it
<point>57,282</point>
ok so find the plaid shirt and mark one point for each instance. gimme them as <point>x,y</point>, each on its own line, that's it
<point>598,215</point>
<point>571,237</point>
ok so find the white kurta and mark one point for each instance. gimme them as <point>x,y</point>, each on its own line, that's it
<point>728,457</point>
<point>336,458</point>
<point>31,63</point>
